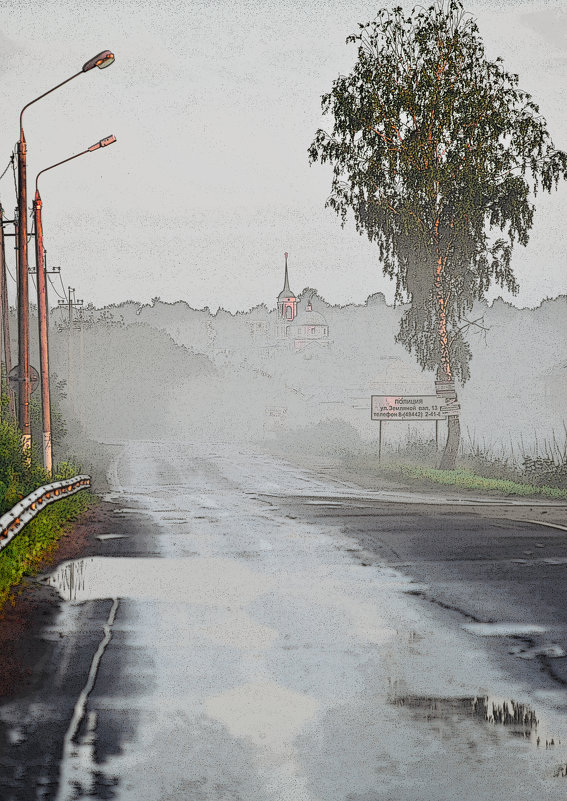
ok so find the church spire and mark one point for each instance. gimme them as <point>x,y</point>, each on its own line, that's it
<point>286,282</point>
<point>287,302</point>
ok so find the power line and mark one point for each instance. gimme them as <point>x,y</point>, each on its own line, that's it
<point>10,274</point>
<point>56,290</point>
<point>14,171</point>
<point>7,166</point>
<point>32,230</point>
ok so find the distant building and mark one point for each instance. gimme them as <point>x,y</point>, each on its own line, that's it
<point>310,328</point>
<point>304,329</point>
<point>287,307</point>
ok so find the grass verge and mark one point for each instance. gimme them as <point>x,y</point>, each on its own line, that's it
<point>36,541</point>
<point>466,479</point>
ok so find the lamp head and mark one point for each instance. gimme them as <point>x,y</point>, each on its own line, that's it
<point>109,140</point>
<point>101,61</point>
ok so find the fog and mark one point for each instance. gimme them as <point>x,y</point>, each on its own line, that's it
<point>168,370</point>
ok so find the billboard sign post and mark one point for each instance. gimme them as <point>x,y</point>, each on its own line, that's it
<point>407,409</point>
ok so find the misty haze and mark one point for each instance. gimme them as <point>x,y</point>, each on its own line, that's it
<point>283,432</point>
<point>168,370</point>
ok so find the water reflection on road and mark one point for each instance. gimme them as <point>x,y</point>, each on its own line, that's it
<point>263,662</point>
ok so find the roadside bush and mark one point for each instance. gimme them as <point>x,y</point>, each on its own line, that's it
<point>489,466</point>
<point>18,477</point>
<point>543,471</point>
<point>415,450</point>
<point>31,546</point>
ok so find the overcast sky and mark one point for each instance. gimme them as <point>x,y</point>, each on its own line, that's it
<point>214,105</point>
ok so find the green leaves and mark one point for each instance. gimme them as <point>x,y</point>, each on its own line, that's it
<point>434,149</point>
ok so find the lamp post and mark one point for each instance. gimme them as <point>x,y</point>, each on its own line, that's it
<point>42,310</point>
<point>101,61</point>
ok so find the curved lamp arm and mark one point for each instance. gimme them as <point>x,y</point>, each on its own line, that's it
<point>101,61</point>
<point>108,140</point>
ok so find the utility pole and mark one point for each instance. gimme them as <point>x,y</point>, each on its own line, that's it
<point>81,326</point>
<point>23,301</point>
<point>71,302</point>
<point>54,271</point>
<point>42,317</point>
<point>16,249</point>
<point>6,317</point>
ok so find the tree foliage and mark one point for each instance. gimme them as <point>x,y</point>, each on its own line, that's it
<point>438,154</point>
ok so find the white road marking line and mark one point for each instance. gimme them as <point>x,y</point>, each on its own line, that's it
<point>67,776</point>
<point>543,523</point>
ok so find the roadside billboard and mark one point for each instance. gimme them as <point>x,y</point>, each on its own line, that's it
<point>407,407</point>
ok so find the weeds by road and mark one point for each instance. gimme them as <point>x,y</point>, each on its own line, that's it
<point>33,545</point>
<point>19,477</point>
<point>515,470</point>
<point>466,479</point>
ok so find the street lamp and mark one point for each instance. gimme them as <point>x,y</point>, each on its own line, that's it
<point>42,308</point>
<point>101,61</point>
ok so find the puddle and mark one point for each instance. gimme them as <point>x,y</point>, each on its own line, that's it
<point>15,736</point>
<point>263,711</point>
<point>550,650</point>
<point>526,651</point>
<point>199,580</point>
<point>520,719</point>
<point>112,537</point>
<point>503,629</point>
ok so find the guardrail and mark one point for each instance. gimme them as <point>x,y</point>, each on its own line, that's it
<point>25,510</point>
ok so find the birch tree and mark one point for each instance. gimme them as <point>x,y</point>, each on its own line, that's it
<point>439,155</point>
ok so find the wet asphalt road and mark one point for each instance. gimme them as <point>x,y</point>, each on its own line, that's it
<point>252,631</point>
<point>486,571</point>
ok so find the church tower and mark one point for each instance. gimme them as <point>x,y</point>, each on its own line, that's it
<point>287,307</point>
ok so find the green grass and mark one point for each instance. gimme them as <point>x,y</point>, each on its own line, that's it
<point>33,544</point>
<point>466,479</point>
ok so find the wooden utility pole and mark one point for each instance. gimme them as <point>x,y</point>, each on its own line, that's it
<point>24,388</point>
<point>71,303</point>
<point>42,317</point>
<point>6,317</point>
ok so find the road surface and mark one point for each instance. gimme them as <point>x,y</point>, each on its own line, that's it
<point>253,632</point>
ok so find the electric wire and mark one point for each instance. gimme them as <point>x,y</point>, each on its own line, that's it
<point>62,297</point>
<point>63,287</point>
<point>14,171</point>
<point>7,166</point>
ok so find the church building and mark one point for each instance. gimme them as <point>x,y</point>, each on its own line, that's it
<point>287,307</point>
<point>302,328</point>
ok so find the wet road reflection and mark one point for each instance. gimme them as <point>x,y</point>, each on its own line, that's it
<point>258,656</point>
<point>520,718</point>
